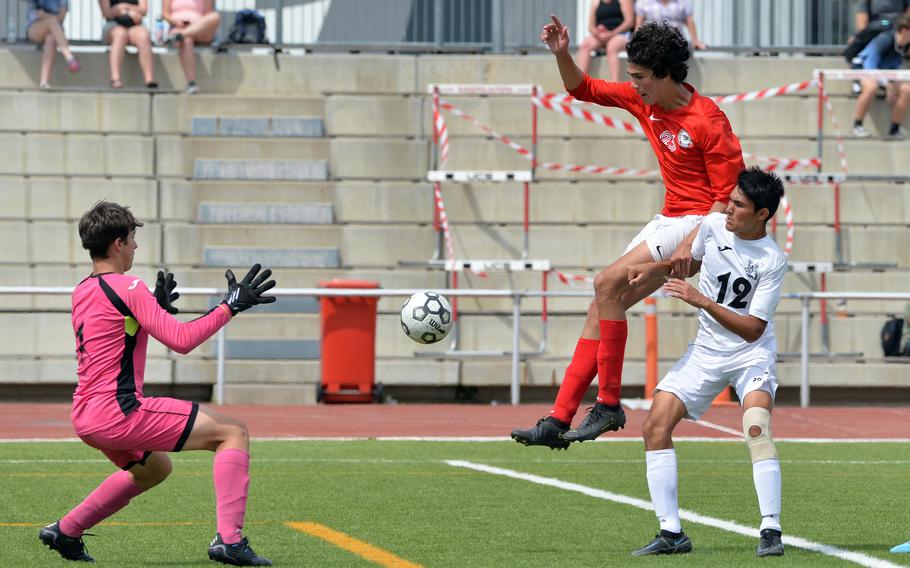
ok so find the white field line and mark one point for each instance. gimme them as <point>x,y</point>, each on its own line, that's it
<point>729,526</point>
<point>606,439</point>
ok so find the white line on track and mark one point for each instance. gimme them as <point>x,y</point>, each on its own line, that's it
<point>719,428</point>
<point>729,526</point>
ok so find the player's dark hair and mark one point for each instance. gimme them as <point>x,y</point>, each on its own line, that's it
<point>103,224</point>
<point>903,23</point>
<point>660,47</point>
<point>763,189</point>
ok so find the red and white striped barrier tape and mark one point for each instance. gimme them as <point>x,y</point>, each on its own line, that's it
<point>566,104</point>
<point>569,106</point>
<point>785,164</point>
<point>788,216</point>
<point>605,170</point>
<point>838,136</point>
<point>572,279</point>
<point>765,93</point>
<point>442,133</point>
<point>444,222</point>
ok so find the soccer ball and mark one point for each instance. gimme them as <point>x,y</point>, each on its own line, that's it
<point>426,317</point>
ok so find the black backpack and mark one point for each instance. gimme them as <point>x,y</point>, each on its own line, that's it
<point>891,336</point>
<point>249,27</point>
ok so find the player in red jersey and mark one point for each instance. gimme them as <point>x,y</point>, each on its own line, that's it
<point>699,159</point>
<point>113,315</point>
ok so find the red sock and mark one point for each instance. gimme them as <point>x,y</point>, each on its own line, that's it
<point>609,360</point>
<point>579,374</point>
<point>232,481</point>
<point>113,494</point>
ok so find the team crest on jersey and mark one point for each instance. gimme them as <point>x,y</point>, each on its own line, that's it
<point>685,141</point>
<point>752,270</point>
<point>669,140</point>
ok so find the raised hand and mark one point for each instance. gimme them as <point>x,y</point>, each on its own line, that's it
<point>556,36</point>
<point>164,292</point>
<point>248,292</point>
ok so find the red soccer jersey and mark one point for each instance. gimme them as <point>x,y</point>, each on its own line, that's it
<point>113,316</point>
<point>700,157</point>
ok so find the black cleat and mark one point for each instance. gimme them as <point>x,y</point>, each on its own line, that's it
<point>548,432</point>
<point>237,554</point>
<point>770,544</point>
<point>69,547</point>
<point>666,545</point>
<point>601,418</point>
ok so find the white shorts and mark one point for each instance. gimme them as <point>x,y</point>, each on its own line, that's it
<point>699,375</point>
<point>663,235</point>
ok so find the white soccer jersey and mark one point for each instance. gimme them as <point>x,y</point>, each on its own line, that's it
<point>743,276</point>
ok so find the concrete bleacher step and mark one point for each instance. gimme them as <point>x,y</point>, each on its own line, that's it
<point>75,112</point>
<point>268,348</point>
<point>261,169</point>
<point>265,213</point>
<point>174,113</point>
<point>271,257</point>
<point>258,126</point>
<point>180,198</point>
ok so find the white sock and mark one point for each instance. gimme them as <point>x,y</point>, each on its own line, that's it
<point>662,485</point>
<point>766,474</point>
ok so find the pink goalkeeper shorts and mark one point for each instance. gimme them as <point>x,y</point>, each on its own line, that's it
<point>160,424</point>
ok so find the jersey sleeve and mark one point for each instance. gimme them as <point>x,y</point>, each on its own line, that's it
<point>606,93</point>
<point>767,292</point>
<point>181,337</point>
<point>698,245</point>
<point>723,157</point>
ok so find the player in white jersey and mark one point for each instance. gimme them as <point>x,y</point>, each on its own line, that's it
<point>738,290</point>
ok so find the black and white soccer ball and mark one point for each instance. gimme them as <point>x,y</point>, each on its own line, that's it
<point>426,317</point>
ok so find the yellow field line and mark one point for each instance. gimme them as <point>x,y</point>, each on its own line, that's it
<point>351,544</point>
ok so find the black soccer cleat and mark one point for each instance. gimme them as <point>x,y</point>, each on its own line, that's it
<point>601,418</point>
<point>237,554</point>
<point>71,548</point>
<point>663,544</point>
<point>547,432</point>
<point>770,544</point>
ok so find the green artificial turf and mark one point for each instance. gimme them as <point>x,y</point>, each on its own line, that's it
<point>404,498</point>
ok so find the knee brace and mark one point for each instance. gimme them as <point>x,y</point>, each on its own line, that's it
<point>762,446</point>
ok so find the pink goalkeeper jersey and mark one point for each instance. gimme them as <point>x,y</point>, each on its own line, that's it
<point>113,316</point>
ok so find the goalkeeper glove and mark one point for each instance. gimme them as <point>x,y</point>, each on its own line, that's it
<point>164,292</point>
<point>248,292</point>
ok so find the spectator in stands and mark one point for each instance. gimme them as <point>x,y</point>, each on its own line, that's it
<point>192,22</point>
<point>44,27</point>
<point>124,26</point>
<point>609,25</point>
<point>886,51</point>
<point>677,12</point>
<point>872,17</point>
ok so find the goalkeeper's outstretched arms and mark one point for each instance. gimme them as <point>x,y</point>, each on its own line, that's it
<point>154,311</point>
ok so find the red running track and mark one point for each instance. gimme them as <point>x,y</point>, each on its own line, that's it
<point>26,420</point>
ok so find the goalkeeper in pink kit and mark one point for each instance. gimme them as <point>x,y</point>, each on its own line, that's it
<point>113,315</point>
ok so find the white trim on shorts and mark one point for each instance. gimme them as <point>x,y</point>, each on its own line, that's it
<point>663,235</point>
<point>702,373</point>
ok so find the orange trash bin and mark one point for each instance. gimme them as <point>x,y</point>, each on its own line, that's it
<point>348,348</point>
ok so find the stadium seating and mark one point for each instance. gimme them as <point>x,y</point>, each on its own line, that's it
<point>318,168</point>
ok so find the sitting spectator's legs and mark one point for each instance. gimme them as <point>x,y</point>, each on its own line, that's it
<point>117,38</point>
<point>204,29</point>
<point>188,59</point>
<point>46,31</point>
<point>139,36</point>
<point>899,112</point>
<point>866,96</point>
<point>583,58</point>
<point>616,44</point>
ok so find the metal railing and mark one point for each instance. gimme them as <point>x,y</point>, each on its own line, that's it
<point>517,296</point>
<point>482,25</point>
